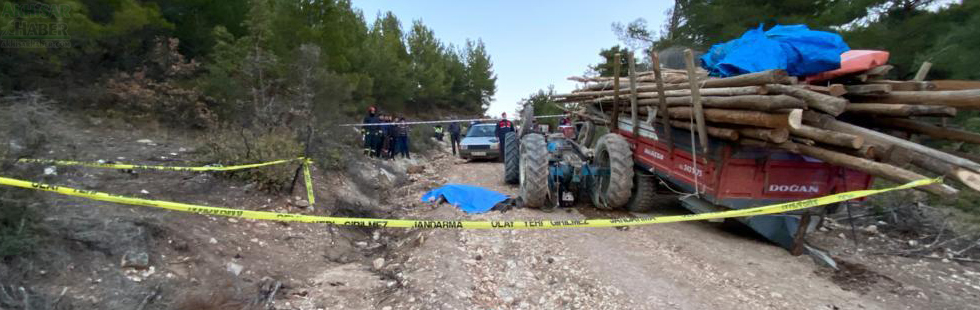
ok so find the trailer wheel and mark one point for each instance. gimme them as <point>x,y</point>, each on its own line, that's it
<point>645,197</point>
<point>534,170</point>
<point>613,154</point>
<point>512,158</point>
<point>586,134</point>
<point>644,192</point>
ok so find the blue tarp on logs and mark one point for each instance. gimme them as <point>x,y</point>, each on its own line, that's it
<point>795,48</point>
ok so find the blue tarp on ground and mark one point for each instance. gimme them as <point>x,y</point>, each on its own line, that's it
<point>795,48</point>
<point>471,199</point>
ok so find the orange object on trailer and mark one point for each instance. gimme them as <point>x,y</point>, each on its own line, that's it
<point>852,61</point>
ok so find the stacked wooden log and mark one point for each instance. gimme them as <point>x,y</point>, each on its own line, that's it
<point>860,121</point>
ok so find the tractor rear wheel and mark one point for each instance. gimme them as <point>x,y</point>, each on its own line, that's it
<point>534,170</point>
<point>512,158</point>
<point>613,154</point>
<point>586,134</point>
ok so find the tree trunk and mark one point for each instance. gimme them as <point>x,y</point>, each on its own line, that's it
<point>868,89</point>
<point>900,110</point>
<point>696,99</point>
<point>661,94</point>
<point>884,140</point>
<point>829,104</point>
<point>751,102</point>
<point>930,130</point>
<point>717,132</point>
<point>835,90</point>
<point>776,76</point>
<point>829,137</point>
<point>955,84</point>
<point>969,178</point>
<point>742,117</point>
<point>969,99</point>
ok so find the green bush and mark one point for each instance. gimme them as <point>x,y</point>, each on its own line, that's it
<point>17,235</point>
<point>420,139</point>
<point>231,146</point>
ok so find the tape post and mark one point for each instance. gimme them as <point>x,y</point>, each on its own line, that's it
<point>455,224</point>
<point>308,179</point>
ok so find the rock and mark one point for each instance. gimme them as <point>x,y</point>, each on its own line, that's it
<point>913,242</point>
<point>144,191</point>
<point>386,308</point>
<point>138,260</point>
<point>378,263</point>
<point>52,170</point>
<point>144,141</point>
<point>871,229</point>
<point>213,241</point>
<point>301,203</point>
<point>234,268</point>
<point>415,169</point>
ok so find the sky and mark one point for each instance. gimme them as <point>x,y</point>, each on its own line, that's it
<point>533,44</point>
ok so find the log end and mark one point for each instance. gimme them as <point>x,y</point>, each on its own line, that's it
<point>795,119</point>
<point>969,178</point>
<point>858,142</point>
<point>779,135</point>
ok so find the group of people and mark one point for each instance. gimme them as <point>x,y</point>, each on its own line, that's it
<point>388,139</point>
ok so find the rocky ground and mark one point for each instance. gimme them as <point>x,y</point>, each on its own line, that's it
<point>122,257</point>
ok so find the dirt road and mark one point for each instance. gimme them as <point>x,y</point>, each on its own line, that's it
<point>692,265</point>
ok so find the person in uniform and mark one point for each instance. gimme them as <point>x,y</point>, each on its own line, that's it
<point>503,127</point>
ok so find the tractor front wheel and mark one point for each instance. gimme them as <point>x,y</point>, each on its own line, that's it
<point>614,185</point>
<point>534,170</point>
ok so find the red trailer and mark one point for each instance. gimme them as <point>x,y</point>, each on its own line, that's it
<point>730,176</point>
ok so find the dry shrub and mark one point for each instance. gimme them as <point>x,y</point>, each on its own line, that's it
<point>234,146</point>
<point>153,93</point>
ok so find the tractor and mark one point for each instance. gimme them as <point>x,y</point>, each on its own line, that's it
<point>557,169</point>
<point>642,169</point>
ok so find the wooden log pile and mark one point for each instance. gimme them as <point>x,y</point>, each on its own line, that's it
<point>862,121</point>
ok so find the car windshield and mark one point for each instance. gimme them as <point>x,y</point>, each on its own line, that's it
<point>481,131</point>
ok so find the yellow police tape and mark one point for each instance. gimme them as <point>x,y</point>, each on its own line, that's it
<point>146,167</point>
<point>369,222</point>
<point>306,168</point>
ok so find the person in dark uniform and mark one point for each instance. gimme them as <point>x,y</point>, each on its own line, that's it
<point>387,138</point>
<point>454,131</point>
<point>503,127</point>
<point>372,134</point>
<point>402,138</point>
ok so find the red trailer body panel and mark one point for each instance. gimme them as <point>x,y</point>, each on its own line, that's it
<point>735,176</point>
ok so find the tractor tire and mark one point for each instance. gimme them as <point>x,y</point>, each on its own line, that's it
<point>586,134</point>
<point>512,159</point>
<point>612,152</point>
<point>534,171</point>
